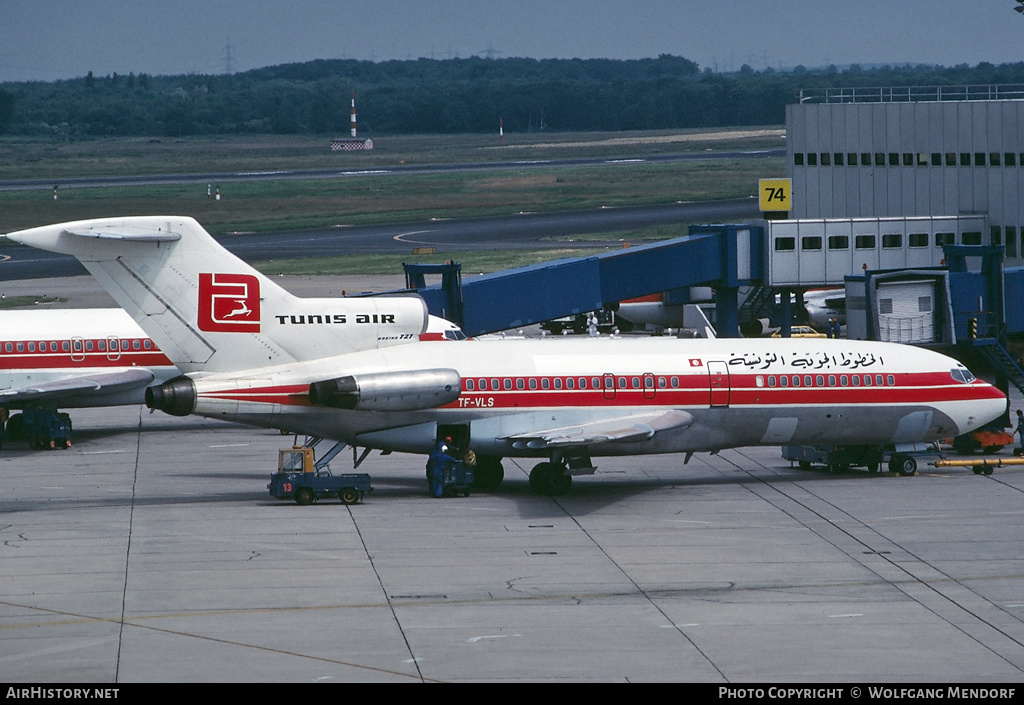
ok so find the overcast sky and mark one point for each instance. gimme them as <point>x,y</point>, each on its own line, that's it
<point>57,39</point>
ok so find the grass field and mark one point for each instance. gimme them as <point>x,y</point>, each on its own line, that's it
<point>297,204</point>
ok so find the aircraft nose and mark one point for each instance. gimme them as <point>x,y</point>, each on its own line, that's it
<point>982,411</point>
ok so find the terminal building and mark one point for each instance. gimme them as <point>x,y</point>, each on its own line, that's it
<point>912,152</point>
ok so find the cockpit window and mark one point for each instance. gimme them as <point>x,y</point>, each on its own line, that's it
<point>962,374</point>
<point>455,334</point>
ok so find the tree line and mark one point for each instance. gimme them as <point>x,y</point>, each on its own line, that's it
<point>445,96</point>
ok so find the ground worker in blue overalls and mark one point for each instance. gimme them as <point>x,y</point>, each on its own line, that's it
<point>437,463</point>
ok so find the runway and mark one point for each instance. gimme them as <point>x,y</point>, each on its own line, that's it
<point>151,552</point>
<point>517,231</point>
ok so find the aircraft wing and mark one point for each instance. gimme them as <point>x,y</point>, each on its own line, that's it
<point>639,427</point>
<point>100,383</point>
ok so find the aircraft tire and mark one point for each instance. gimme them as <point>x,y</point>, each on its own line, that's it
<point>488,474</point>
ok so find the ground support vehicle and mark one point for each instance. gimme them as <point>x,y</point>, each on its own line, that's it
<point>902,460</point>
<point>987,440</point>
<point>457,478</point>
<point>44,429</point>
<point>298,478</point>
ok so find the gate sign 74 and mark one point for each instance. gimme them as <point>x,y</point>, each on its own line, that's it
<point>776,194</point>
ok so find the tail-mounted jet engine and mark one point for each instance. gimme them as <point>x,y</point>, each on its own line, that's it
<point>388,391</point>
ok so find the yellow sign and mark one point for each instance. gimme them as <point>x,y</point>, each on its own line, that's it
<point>776,194</point>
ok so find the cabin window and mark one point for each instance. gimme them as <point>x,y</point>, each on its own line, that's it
<point>508,384</point>
<point>31,347</point>
<point>878,381</point>
<point>843,381</point>
<point>596,383</point>
<point>494,385</point>
<point>831,380</point>
<point>856,380</point>
<point>867,380</point>
<point>636,382</point>
<point>807,380</point>
<point>101,345</point>
<point>88,345</point>
<point>662,382</point>
<point>148,344</point>
<point>21,347</point>
<point>558,382</point>
<point>136,345</point>
<point>469,385</point>
<point>819,381</point>
<point>533,383</point>
<point>65,346</point>
<point>674,382</point>
<point>771,380</point>
<point>759,381</point>
<point>520,384</point>
<point>783,381</point>
<point>545,383</point>
<point>9,347</point>
<point>890,380</point>
<point>569,383</point>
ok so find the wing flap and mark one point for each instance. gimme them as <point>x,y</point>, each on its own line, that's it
<point>101,383</point>
<point>639,427</point>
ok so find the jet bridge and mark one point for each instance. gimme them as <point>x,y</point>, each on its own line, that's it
<point>724,257</point>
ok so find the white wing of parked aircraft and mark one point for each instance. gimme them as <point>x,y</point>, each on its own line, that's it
<point>355,370</point>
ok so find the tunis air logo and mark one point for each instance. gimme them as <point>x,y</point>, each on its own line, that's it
<point>229,303</point>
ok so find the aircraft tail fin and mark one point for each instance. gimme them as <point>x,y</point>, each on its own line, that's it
<point>207,309</point>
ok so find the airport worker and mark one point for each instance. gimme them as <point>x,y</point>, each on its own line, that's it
<point>828,329</point>
<point>437,463</point>
<point>592,325</point>
<point>1020,429</point>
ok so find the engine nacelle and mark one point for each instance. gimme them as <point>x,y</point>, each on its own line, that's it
<point>389,391</point>
<point>176,397</point>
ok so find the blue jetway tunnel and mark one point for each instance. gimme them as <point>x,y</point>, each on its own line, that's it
<point>724,257</point>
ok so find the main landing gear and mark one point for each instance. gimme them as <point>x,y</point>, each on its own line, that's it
<point>488,473</point>
<point>551,479</point>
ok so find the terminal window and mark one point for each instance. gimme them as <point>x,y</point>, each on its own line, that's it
<point>1010,159</point>
<point>865,158</point>
<point>979,159</point>
<point>993,159</point>
<point>945,239</point>
<point>894,159</point>
<point>785,244</point>
<point>879,158</point>
<point>837,158</point>
<point>810,242</point>
<point>838,242</point>
<point>826,159</point>
<point>971,238</point>
<point>798,159</point>
<point>917,240</point>
<point>936,159</point>
<point>950,158</point>
<point>864,242</point>
<point>922,159</point>
<point>995,235</point>
<point>965,158</point>
<point>812,159</point>
<point>1011,241</point>
<point>908,159</point>
<point>892,240</point>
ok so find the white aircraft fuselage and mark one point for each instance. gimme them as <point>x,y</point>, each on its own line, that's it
<point>358,370</point>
